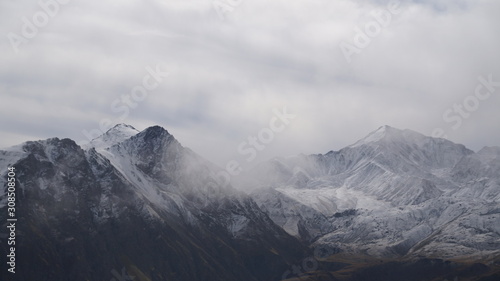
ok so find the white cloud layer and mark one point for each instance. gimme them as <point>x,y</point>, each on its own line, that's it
<point>227,76</point>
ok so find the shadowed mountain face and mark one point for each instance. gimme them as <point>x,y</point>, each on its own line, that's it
<point>135,205</point>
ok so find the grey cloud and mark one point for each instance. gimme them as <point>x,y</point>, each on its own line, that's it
<point>229,75</point>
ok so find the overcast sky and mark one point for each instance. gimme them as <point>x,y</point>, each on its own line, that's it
<point>70,66</point>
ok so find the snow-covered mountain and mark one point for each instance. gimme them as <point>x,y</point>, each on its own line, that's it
<point>138,201</point>
<point>136,205</point>
<point>394,193</point>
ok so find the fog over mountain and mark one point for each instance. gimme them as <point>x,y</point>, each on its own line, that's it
<point>139,205</point>
<point>394,193</point>
<point>200,140</point>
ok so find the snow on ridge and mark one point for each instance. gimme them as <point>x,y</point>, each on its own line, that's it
<point>403,187</point>
<point>15,148</point>
<point>374,136</point>
<point>115,135</point>
<point>389,133</point>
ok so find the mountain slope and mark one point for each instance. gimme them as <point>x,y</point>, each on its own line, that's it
<point>394,193</point>
<point>138,204</point>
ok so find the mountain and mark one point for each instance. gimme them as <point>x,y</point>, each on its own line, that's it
<point>137,205</point>
<point>134,206</point>
<point>394,194</point>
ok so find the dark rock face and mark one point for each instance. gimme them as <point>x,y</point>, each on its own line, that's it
<point>82,218</point>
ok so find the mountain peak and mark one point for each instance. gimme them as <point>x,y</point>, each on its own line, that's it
<point>122,126</point>
<point>383,132</point>
<point>123,130</point>
<point>154,136</point>
<point>117,134</point>
<point>155,132</point>
<point>386,130</point>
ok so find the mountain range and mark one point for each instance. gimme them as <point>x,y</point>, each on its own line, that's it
<point>130,205</point>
